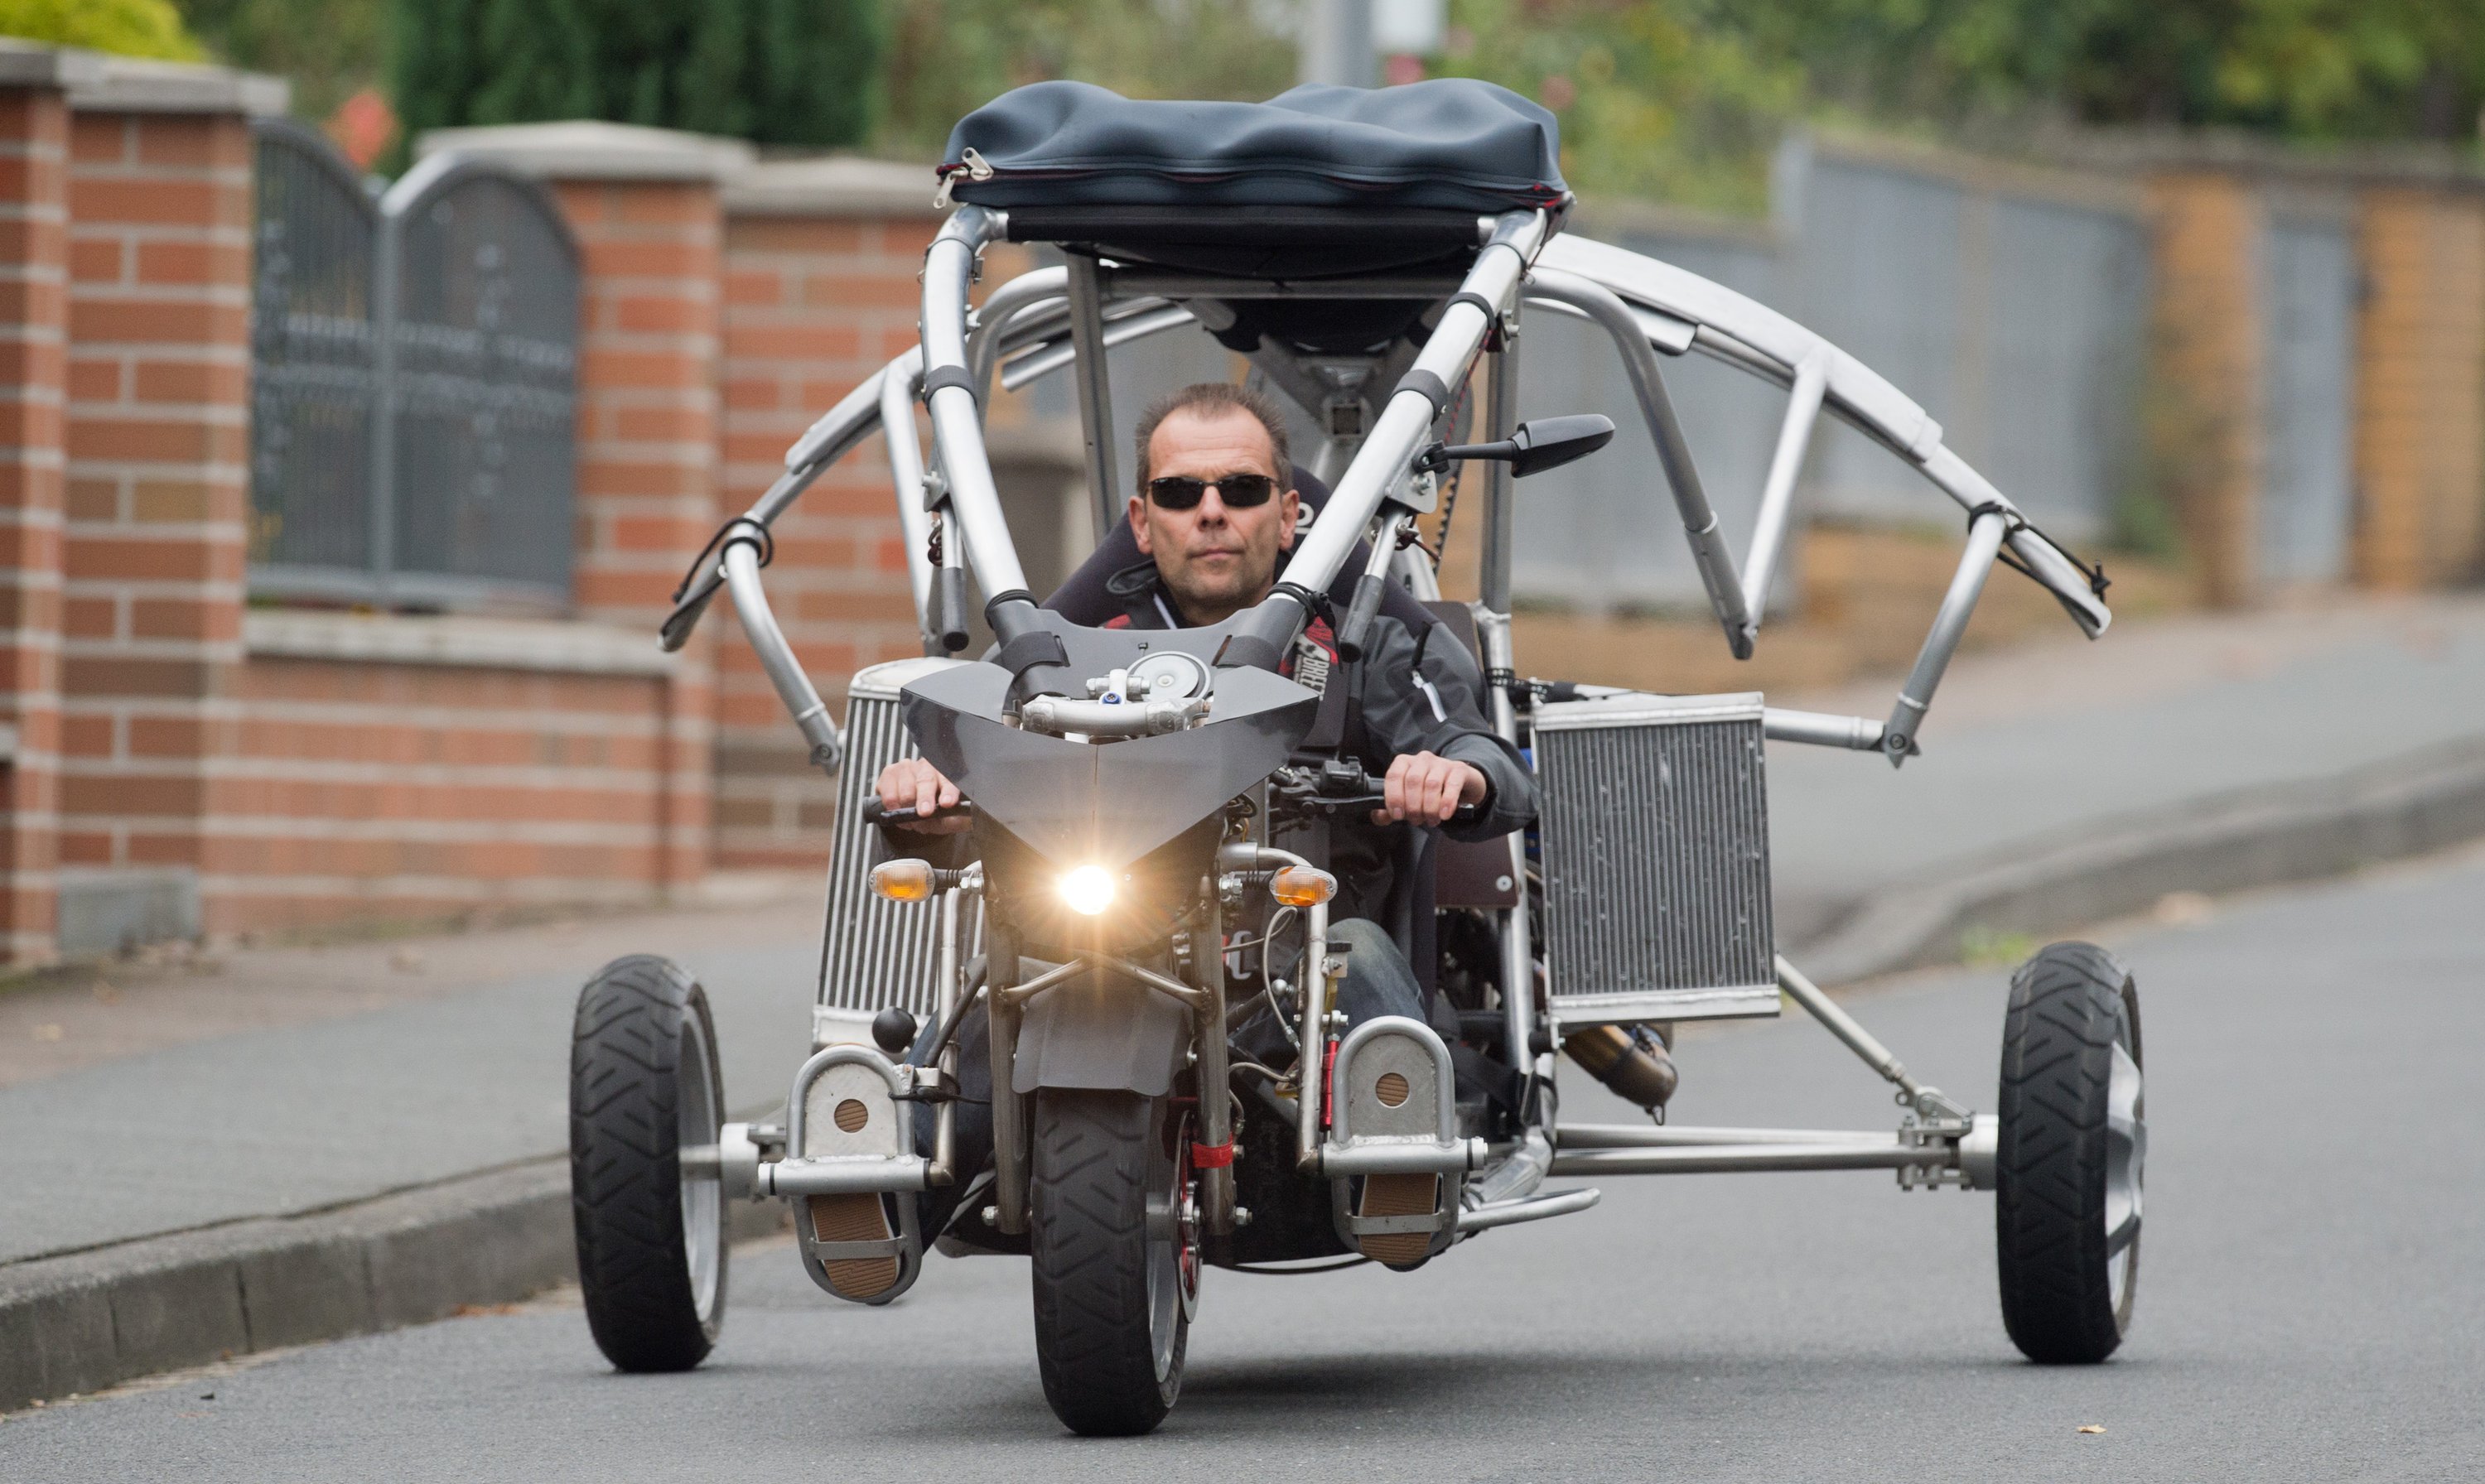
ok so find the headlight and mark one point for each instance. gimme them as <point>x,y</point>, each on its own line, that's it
<point>1088,890</point>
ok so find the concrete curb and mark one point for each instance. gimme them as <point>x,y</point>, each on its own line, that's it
<point>2263,836</point>
<point>83,1321</point>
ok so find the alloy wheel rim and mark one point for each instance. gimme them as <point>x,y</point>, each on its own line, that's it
<point>1173,1251</point>
<point>2126,1156</point>
<point>696,1121</point>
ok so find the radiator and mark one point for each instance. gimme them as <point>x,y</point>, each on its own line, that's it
<point>873,953</point>
<point>1655,831</point>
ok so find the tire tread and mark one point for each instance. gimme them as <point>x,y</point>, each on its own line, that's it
<point>1088,1237</point>
<point>2067,1009</point>
<point>625,1171</point>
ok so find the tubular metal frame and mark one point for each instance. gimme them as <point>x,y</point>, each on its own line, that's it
<point>1056,317</point>
<point>1046,317</point>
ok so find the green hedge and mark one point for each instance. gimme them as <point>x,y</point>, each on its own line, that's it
<point>775,71</point>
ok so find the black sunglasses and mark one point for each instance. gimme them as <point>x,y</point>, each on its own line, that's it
<point>1239,492</point>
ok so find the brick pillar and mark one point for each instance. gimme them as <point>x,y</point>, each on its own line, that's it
<point>158,501</point>
<point>2205,409</point>
<point>34,325</point>
<point>645,206</point>
<point>821,290</point>
<point>2420,386</point>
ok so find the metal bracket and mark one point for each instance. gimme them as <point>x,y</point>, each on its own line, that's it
<point>1928,1103</point>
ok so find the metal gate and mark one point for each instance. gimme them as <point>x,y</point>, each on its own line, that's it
<point>312,387</point>
<point>2309,376</point>
<point>414,384</point>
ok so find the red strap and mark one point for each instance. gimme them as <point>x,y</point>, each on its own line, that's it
<point>1328,1084</point>
<point>1211,1156</point>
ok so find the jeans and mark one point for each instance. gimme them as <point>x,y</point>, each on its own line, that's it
<point>1377,982</point>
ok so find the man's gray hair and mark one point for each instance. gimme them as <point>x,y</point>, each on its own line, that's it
<point>1214,399</point>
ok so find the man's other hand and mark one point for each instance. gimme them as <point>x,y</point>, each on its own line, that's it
<point>1430,788</point>
<point>916,787</point>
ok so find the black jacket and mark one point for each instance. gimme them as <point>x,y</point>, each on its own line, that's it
<point>1416,690</point>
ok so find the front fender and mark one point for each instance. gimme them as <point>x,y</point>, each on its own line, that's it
<point>1103,1032</point>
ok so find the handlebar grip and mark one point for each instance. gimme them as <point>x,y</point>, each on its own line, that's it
<point>685,617</point>
<point>1365,803</point>
<point>875,817</point>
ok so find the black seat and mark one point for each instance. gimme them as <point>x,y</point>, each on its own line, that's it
<point>1263,242</point>
<point>1318,181</point>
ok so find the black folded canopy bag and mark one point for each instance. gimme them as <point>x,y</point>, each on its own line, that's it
<point>1448,143</point>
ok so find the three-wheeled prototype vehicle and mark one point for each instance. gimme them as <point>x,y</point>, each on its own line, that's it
<point>1150,809</point>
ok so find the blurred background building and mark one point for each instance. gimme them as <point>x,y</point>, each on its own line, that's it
<point>377,366</point>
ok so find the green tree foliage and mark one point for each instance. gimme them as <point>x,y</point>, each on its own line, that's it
<point>1678,99</point>
<point>327,48</point>
<point>1657,98</point>
<point>777,71</point>
<point>132,28</point>
<point>2304,69</point>
<point>950,56</point>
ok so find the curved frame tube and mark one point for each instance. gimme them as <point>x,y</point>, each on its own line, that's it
<point>1728,596</point>
<point>957,422</point>
<point>1645,305</point>
<point>1004,308</point>
<point>1404,423</point>
<point>777,656</point>
<point>1777,494</point>
<point>1052,354</point>
<point>1741,332</point>
<point>898,382</point>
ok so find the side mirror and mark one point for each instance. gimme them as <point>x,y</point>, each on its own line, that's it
<point>1533,446</point>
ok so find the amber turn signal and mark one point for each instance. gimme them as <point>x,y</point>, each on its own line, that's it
<point>1302,886</point>
<point>902,880</point>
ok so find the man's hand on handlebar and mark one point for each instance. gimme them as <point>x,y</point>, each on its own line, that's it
<point>1428,786</point>
<point>912,786</point>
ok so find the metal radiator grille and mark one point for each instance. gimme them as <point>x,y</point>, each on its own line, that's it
<point>1655,833</point>
<point>874,953</point>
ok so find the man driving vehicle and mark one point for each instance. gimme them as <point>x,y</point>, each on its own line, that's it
<point>1217,508</point>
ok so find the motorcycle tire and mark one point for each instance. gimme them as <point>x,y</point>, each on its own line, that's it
<point>2073,1141</point>
<point>1115,1257</point>
<point>644,1087</point>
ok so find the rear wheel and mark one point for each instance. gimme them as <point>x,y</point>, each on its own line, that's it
<point>2073,1140</point>
<point>643,1089</point>
<point>1115,1234</point>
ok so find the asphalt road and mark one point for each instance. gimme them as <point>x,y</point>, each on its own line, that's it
<point>2312,1303</point>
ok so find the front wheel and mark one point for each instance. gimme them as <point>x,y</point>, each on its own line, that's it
<point>1114,1230</point>
<point>2073,1139</point>
<point>643,1091</point>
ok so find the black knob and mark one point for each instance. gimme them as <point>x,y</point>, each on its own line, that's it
<point>894,1029</point>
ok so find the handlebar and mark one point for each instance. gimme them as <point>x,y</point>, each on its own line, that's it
<point>1341,786</point>
<point>875,817</point>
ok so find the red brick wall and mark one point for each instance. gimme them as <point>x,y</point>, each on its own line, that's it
<point>158,373</point>
<point>647,445</point>
<point>33,310</point>
<point>811,306</point>
<point>415,792</point>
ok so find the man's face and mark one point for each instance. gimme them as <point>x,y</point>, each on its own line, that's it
<point>1216,560</point>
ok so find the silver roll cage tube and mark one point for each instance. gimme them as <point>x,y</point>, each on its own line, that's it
<point>1029,328</point>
